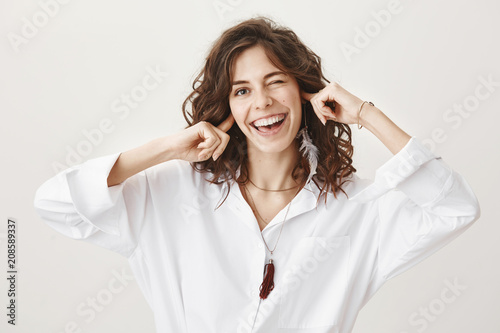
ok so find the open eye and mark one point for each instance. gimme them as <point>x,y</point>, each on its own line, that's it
<point>237,92</point>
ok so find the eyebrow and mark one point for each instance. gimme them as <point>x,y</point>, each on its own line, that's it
<point>265,77</point>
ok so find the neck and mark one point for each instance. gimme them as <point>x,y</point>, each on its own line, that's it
<point>273,171</point>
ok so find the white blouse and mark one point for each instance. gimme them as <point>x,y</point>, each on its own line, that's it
<point>200,269</point>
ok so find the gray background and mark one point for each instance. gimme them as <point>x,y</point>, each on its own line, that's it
<point>63,78</point>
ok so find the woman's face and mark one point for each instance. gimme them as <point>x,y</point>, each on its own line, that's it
<point>265,102</point>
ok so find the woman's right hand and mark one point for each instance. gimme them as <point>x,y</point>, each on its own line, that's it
<point>202,141</point>
<point>194,144</point>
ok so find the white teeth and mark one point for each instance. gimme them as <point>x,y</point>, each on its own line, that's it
<point>269,121</point>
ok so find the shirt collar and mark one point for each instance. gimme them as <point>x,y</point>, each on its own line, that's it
<point>303,202</point>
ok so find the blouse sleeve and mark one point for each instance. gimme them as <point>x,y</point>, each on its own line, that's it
<point>422,204</point>
<point>78,203</point>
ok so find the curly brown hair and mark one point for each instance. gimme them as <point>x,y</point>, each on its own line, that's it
<point>210,103</point>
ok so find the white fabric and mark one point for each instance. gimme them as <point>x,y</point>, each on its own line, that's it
<point>200,269</point>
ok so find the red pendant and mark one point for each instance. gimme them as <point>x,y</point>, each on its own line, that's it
<point>268,283</point>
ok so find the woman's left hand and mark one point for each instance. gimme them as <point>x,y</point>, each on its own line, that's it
<point>346,104</point>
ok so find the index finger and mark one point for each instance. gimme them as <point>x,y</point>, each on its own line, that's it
<point>227,124</point>
<point>306,96</point>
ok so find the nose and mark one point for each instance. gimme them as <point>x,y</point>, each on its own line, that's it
<point>262,99</point>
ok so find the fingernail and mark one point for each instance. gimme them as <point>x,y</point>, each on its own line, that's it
<point>323,121</point>
<point>215,156</point>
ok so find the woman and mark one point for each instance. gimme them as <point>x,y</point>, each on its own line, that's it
<point>222,222</point>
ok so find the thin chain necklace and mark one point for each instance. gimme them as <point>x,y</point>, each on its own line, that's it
<point>255,210</point>
<point>268,282</point>
<point>259,216</point>
<point>264,189</point>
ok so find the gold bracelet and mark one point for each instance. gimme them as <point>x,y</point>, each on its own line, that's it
<point>359,112</point>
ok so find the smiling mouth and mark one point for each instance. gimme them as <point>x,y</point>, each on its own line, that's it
<point>269,123</point>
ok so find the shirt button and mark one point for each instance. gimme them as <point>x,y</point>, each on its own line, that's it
<point>260,245</point>
<point>254,293</point>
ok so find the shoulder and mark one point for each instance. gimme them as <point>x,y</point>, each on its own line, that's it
<point>351,185</point>
<point>176,172</point>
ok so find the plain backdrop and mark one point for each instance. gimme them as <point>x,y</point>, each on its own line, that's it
<point>65,67</point>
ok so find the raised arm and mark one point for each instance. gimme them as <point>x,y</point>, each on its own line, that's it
<point>374,120</point>
<point>196,143</point>
<point>103,200</point>
<point>421,202</point>
<point>138,159</point>
<point>346,111</point>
